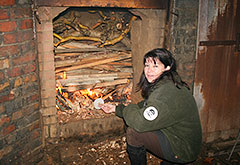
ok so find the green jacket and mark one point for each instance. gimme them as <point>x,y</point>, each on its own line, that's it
<point>171,110</point>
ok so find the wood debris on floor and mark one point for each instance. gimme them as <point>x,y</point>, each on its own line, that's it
<point>112,151</point>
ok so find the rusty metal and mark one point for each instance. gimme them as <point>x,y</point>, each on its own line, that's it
<point>216,43</point>
<point>154,4</point>
<point>238,43</point>
<point>224,42</point>
<point>217,73</point>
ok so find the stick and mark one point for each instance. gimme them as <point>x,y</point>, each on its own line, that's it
<point>79,50</point>
<point>101,75</point>
<point>120,57</point>
<point>76,86</point>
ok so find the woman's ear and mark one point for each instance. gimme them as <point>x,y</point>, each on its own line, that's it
<point>167,68</point>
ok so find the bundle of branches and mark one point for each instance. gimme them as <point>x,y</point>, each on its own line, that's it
<point>81,70</point>
<point>100,27</point>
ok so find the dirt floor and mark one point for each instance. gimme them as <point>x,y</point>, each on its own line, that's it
<point>112,151</point>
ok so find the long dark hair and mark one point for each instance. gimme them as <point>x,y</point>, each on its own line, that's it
<point>167,59</point>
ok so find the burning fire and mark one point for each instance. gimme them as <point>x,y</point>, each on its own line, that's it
<point>93,94</point>
<point>84,98</point>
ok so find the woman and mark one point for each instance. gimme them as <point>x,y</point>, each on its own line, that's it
<point>167,122</point>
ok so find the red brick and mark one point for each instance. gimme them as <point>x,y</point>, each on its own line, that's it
<point>15,72</point>
<point>8,50</point>
<point>27,79</point>
<point>17,115</point>
<point>2,109</point>
<point>34,97</point>
<point>30,78</point>
<point>18,37</point>
<point>4,14</point>
<point>28,46</point>
<point>35,134</point>
<point>8,130</point>
<point>30,109</point>
<point>26,24</point>
<point>7,2</point>
<point>8,26</point>
<point>19,12</point>
<point>6,150</point>
<point>34,78</point>
<point>2,76</point>
<point>3,120</point>
<point>29,68</point>
<point>24,59</point>
<point>34,126</point>
<point>6,98</point>
<point>10,38</point>
<point>26,36</point>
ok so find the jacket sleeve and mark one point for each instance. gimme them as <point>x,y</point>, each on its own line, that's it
<point>134,117</point>
<point>119,108</point>
<point>164,103</point>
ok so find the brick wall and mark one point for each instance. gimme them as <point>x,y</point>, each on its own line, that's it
<point>184,22</point>
<point>20,128</point>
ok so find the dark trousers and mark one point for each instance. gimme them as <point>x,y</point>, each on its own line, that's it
<point>155,142</point>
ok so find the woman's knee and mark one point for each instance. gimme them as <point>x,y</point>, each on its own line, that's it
<point>133,137</point>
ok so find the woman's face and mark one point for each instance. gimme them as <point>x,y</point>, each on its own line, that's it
<point>153,70</point>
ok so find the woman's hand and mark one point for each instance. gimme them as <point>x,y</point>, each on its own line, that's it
<point>108,108</point>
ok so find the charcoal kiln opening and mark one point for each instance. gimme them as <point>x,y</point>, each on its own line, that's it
<point>87,53</point>
<point>92,60</point>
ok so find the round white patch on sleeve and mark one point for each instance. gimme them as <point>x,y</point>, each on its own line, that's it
<point>150,113</point>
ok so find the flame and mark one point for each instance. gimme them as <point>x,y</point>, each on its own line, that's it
<point>64,75</point>
<point>110,97</point>
<point>93,94</point>
<point>85,97</point>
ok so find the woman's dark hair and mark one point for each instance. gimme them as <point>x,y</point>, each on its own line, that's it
<point>167,59</point>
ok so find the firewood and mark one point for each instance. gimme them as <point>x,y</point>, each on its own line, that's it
<point>80,60</point>
<point>101,75</point>
<point>93,78</point>
<point>64,102</point>
<point>85,80</point>
<point>62,40</point>
<point>120,37</point>
<point>83,71</point>
<point>60,106</point>
<point>108,68</point>
<point>121,63</point>
<point>64,63</point>
<point>78,86</point>
<point>82,50</point>
<point>95,63</point>
<point>67,54</point>
<point>109,94</point>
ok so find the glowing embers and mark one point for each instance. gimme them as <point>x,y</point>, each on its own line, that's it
<point>79,104</point>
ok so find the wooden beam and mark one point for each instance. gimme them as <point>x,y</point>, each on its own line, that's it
<point>152,4</point>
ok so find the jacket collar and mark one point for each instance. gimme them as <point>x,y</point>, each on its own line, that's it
<point>164,80</point>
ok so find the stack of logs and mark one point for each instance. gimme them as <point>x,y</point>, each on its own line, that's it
<point>82,75</point>
<point>92,60</point>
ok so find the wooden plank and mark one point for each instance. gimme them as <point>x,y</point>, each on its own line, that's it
<point>95,63</point>
<point>77,86</point>
<point>80,50</point>
<point>154,4</point>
